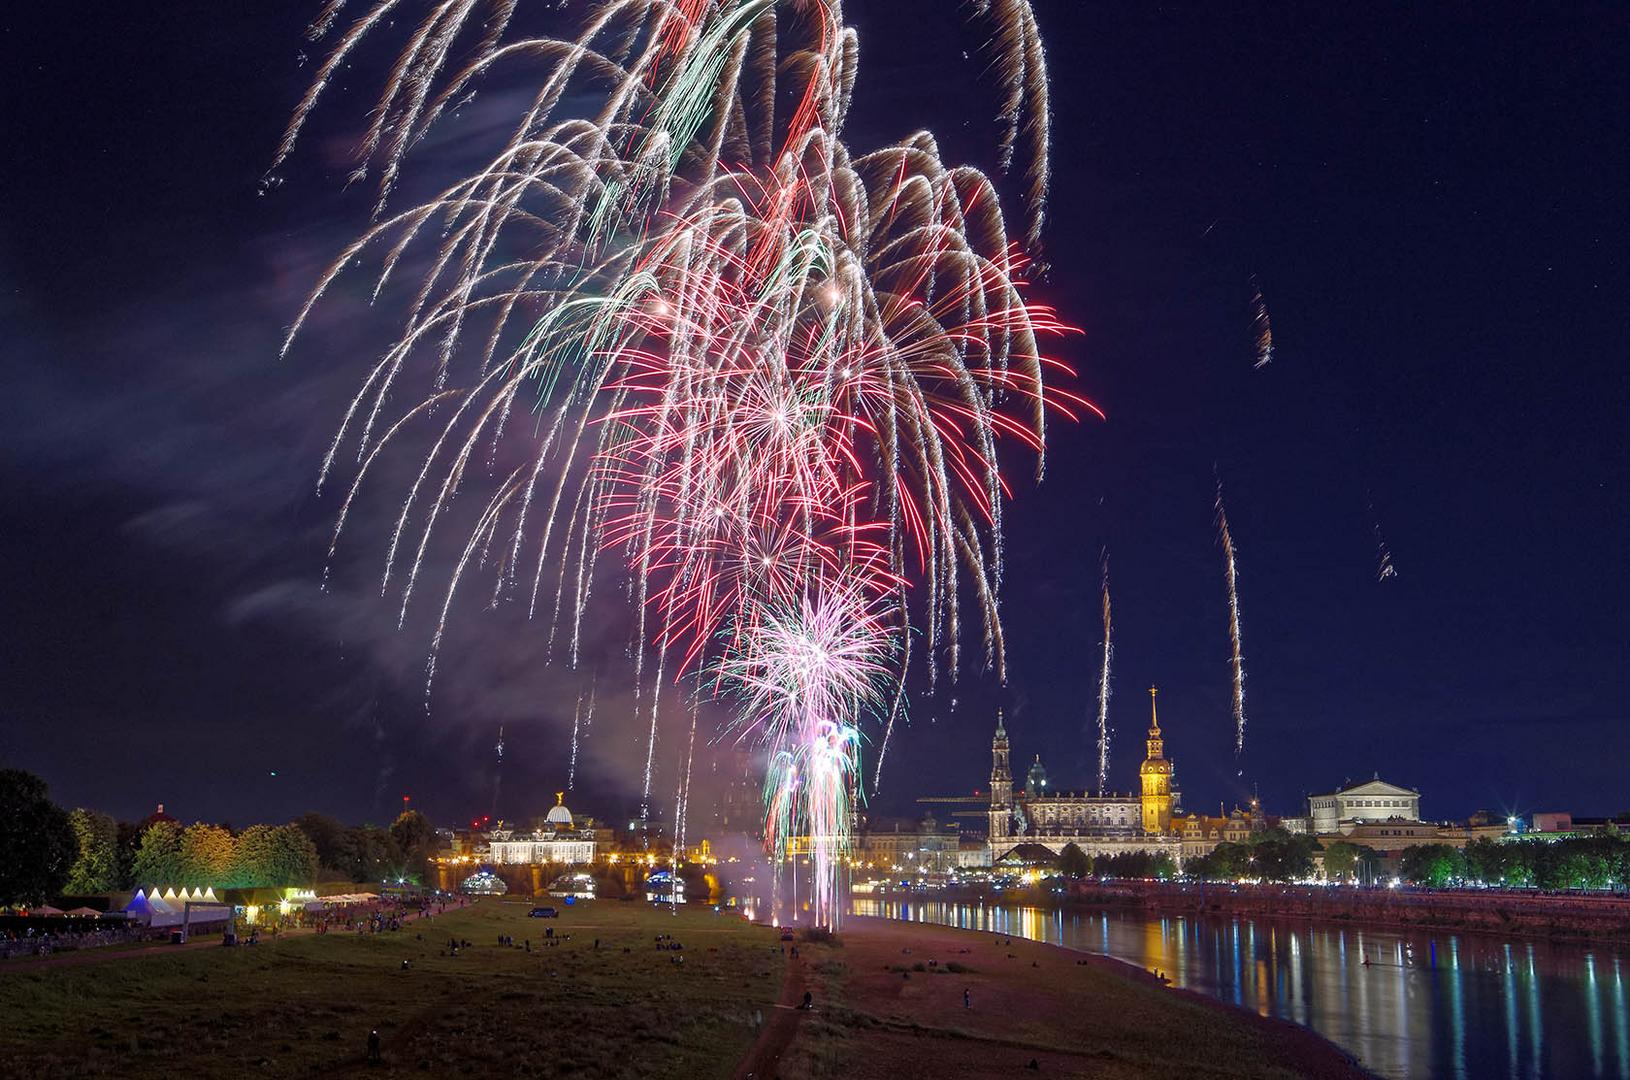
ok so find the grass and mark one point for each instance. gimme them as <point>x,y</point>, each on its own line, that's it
<point>305,1004</point>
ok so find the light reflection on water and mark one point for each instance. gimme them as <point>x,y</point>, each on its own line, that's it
<point>1407,1003</point>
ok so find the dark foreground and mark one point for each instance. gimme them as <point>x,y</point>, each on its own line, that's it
<point>304,1005</point>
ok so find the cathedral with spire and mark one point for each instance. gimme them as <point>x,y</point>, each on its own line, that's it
<point>1106,823</point>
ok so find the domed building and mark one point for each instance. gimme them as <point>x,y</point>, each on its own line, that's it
<point>559,837</point>
<point>558,816</point>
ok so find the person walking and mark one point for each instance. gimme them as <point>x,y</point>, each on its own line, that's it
<point>967,998</point>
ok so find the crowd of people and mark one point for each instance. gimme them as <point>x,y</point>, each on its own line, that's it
<point>381,915</point>
<point>43,941</point>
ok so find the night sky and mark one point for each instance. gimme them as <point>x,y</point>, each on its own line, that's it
<point>1433,203</point>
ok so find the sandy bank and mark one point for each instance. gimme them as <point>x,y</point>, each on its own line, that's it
<point>878,1014</point>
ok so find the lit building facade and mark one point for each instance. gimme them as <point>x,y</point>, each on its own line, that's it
<point>1369,801</point>
<point>1102,824</point>
<point>559,838</point>
<point>924,846</point>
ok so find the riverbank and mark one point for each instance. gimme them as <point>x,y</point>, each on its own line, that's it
<point>611,999</point>
<point>1510,914</point>
<point>1558,917</point>
<point>889,1003</point>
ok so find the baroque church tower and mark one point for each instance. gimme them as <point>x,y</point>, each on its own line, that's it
<point>1001,783</point>
<point>1156,773</point>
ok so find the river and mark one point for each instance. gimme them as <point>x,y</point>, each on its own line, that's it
<point>1427,1004</point>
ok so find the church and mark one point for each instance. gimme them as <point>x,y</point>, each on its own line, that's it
<point>1151,820</point>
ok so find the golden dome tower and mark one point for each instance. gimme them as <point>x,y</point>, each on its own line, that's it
<point>1156,773</point>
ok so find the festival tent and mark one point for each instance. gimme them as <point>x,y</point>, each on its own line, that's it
<point>45,909</point>
<point>84,911</point>
<point>199,916</point>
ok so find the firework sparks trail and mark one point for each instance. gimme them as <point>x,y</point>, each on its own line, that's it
<point>571,767</point>
<point>1236,662</point>
<point>498,771</point>
<point>1383,554</point>
<point>1261,325</point>
<point>1103,686</point>
<point>583,719</point>
<point>771,372</point>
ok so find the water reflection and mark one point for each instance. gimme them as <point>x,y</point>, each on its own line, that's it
<point>1406,1003</point>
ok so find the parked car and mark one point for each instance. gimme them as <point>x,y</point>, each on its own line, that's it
<point>543,913</point>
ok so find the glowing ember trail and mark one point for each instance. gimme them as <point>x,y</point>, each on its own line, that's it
<point>1237,663</point>
<point>1103,686</point>
<point>1261,325</point>
<point>765,370</point>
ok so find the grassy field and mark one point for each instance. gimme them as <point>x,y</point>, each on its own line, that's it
<point>304,1005</point>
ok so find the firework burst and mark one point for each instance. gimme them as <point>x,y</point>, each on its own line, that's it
<point>768,371</point>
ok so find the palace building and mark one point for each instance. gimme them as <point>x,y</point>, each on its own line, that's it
<point>558,838</point>
<point>1152,820</point>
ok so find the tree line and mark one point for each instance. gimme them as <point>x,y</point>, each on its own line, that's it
<point>46,851</point>
<point>1577,862</point>
<point>1272,855</point>
<point>1075,864</point>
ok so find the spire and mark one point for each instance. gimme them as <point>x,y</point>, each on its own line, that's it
<point>1154,718</point>
<point>1001,731</point>
<point>560,798</point>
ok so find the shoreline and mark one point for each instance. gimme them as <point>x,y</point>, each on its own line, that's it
<point>1568,920</point>
<point>1316,1045</point>
<point>1076,1013</point>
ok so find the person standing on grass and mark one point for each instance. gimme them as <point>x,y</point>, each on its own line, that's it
<point>967,998</point>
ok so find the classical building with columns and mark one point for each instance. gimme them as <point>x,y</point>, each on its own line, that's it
<point>1106,823</point>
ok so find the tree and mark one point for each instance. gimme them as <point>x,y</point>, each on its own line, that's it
<point>157,861</point>
<point>416,839</point>
<point>1432,864</point>
<point>206,855</point>
<point>129,843</point>
<point>37,843</point>
<point>1162,866</point>
<point>1226,862</point>
<point>252,858</point>
<point>296,861</point>
<point>1485,861</point>
<point>96,867</point>
<point>1074,863</point>
<point>1276,855</point>
<point>377,856</point>
<point>1340,860</point>
<point>335,844</point>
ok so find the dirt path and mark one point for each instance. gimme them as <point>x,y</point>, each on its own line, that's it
<point>780,1028</point>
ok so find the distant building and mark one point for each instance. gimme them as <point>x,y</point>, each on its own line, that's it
<point>1551,821</point>
<point>558,838</point>
<point>1038,818</point>
<point>1368,801</point>
<point>902,845</point>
